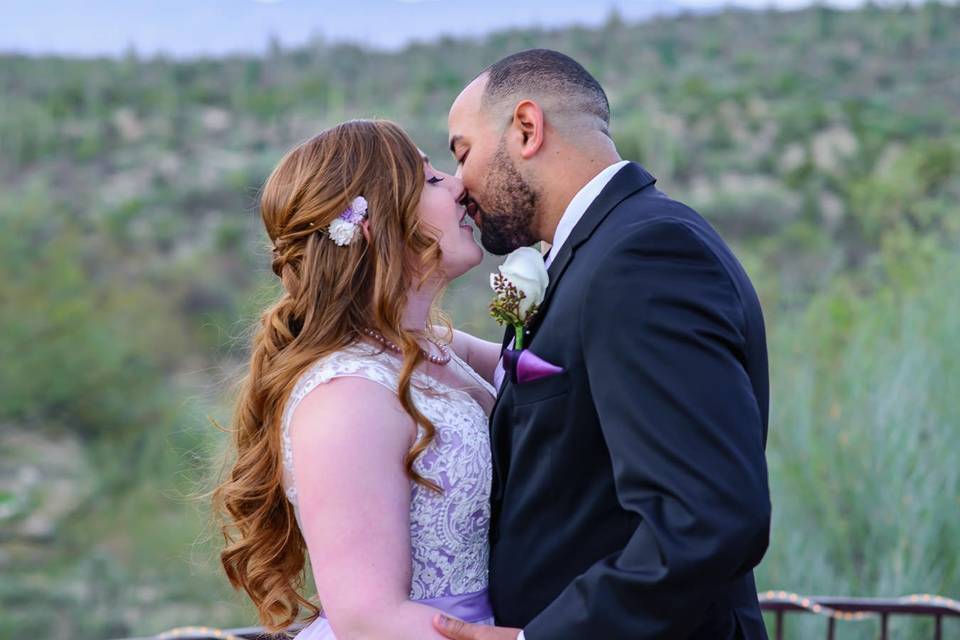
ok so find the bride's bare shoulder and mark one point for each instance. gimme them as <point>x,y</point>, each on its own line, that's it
<point>348,408</point>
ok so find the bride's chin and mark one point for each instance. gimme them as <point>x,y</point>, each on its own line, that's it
<point>476,262</point>
<point>477,256</point>
<point>463,264</point>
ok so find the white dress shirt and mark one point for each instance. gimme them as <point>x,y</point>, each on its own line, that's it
<point>571,216</point>
<point>579,205</point>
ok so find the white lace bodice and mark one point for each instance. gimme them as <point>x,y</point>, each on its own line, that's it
<point>448,531</point>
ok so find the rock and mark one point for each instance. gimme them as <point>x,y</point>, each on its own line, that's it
<point>128,124</point>
<point>832,146</point>
<point>43,479</point>
<point>215,119</point>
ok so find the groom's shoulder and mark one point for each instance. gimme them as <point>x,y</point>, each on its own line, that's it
<point>651,224</point>
<point>650,216</point>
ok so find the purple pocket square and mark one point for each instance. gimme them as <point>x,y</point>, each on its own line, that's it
<point>526,366</point>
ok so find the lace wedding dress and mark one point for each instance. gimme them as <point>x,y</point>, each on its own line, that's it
<point>448,532</point>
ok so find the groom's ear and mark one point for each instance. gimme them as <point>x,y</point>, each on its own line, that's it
<point>528,121</point>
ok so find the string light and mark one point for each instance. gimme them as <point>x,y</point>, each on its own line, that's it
<point>813,607</point>
<point>927,598</point>
<point>191,632</point>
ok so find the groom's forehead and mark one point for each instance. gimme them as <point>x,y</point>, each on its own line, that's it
<point>467,104</point>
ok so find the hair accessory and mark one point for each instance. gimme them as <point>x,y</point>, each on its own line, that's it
<point>343,230</point>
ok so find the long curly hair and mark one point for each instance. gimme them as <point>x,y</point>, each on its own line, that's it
<point>330,294</point>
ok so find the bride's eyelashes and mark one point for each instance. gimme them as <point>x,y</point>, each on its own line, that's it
<point>435,180</point>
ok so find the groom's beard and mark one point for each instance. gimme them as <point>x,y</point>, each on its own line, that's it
<point>507,222</point>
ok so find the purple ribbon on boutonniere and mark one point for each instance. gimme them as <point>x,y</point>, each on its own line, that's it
<point>526,366</point>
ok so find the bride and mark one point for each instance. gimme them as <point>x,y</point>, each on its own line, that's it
<point>360,436</point>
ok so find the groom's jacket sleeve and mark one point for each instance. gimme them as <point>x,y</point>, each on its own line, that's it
<point>663,333</point>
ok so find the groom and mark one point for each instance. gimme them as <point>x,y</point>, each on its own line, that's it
<point>630,496</point>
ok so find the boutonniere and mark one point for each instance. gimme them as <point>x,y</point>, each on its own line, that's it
<point>519,287</point>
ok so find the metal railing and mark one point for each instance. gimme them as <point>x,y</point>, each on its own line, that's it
<point>779,603</point>
<point>840,608</point>
<point>214,633</point>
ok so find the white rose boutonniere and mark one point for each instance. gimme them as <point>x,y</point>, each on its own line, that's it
<point>519,287</point>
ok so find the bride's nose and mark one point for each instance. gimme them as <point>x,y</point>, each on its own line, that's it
<point>456,186</point>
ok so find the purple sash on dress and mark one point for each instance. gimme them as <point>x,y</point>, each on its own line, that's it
<point>471,607</point>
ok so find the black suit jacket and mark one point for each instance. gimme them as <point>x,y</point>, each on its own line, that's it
<point>630,497</point>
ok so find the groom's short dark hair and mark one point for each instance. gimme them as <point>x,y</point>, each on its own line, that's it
<point>546,71</point>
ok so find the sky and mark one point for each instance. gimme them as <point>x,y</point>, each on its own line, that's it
<point>185,28</point>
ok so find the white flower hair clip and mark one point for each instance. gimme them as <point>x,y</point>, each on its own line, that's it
<point>343,230</point>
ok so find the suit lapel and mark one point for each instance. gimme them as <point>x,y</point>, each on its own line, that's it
<point>508,335</point>
<point>630,179</point>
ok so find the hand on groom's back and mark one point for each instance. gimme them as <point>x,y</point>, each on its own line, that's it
<point>460,630</point>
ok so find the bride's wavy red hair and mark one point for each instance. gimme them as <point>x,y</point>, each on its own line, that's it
<point>330,294</point>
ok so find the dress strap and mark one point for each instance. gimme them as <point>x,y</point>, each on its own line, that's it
<point>480,380</point>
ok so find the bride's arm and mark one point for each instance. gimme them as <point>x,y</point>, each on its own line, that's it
<point>481,355</point>
<point>349,437</point>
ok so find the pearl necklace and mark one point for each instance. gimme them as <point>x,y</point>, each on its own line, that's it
<point>389,344</point>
